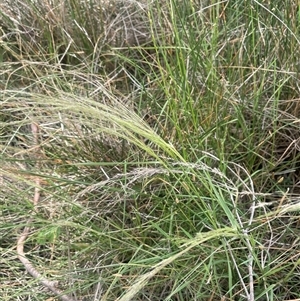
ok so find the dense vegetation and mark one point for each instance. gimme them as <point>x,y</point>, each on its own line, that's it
<point>150,149</point>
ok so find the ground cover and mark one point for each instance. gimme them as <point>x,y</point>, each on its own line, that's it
<point>149,150</point>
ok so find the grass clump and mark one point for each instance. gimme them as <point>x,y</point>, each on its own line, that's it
<point>151,148</point>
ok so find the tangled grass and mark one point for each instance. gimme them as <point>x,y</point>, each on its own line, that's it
<point>166,158</point>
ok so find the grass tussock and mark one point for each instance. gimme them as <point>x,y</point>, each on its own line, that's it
<point>151,149</point>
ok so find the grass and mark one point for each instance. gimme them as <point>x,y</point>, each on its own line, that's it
<point>163,137</point>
